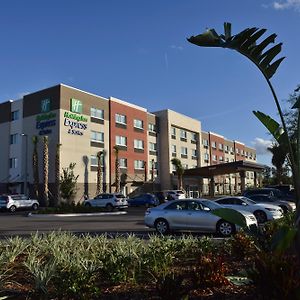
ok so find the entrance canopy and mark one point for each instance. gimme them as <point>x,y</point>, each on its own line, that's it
<point>226,168</point>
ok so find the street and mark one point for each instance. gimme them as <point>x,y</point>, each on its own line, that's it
<point>20,224</point>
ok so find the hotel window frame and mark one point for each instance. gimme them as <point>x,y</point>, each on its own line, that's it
<point>138,144</point>
<point>152,128</point>
<point>96,133</point>
<point>135,123</point>
<point>95,113</point>
<point>139,164</point>
<point>121,139</point>
<point>123,163</point>
<point>120,119</point>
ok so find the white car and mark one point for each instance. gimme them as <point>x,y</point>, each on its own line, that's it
<point>263,212</point>
<point>18,201</point>
<point>174,194</point>
<point>192,215</point>
<point>110,201</point>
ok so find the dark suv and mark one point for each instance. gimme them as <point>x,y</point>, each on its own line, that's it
<point>265,191</point>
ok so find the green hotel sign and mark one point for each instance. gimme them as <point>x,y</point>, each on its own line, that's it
<point>79,118</point>
<point>76,106</point>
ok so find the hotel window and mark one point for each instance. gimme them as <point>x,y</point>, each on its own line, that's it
<point>138,124</point>
<point>153,164</point>
<point>206,156</point>
<point>184,151</point>
<point>214,145</point>
<point>152,127</point>
<point>194,153</point>
<point>121,140</point>
<point>15,115</point>
<point>193,136</point>
<point>214,158</point>
<point>13,163</point>
<point>242,152</point>
<point>173,168</point>
<point>152,146</point>
<point>94,160</point>
<point>97,136</point>
<point>231,150</point>
<point>13,139</point>
<point>226,148</point>
<point>185,166</point>
<point>139,164</point>
<point>237,151</point>
<point>173,132</point>
<point>221,158</point>
<point>138,144</point>
<point>183,134</point>
<point>123,163</point>
<point>205,143</point>
<point>227,159</point>
<point>97,113</point>
<point>121,119</point>
<point>221,147</point>
<point>173,149</point>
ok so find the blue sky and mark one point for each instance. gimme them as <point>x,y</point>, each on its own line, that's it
<point>136,50</point>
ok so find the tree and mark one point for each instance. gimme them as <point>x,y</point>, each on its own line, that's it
<point>56,199</point>
<point>278,160</point>
<point>179,171</point>
<point>68,183</point>
<point>45,171</point>
<point>35,167</point>
<point>100,158</point>
<point>117,169</point>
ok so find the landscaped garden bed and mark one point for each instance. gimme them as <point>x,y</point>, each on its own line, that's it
<point>63,266</point>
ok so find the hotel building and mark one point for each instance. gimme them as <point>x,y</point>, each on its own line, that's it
<point>85,124</point>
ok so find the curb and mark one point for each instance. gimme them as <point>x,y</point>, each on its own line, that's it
<point>76,215</point>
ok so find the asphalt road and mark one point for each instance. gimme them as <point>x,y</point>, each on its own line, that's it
<point>20,224</point>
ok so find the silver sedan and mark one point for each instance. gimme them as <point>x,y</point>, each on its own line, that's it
<point>192,215</point>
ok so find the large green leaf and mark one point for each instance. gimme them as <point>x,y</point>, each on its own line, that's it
<point>231,215</point>
<point>273,127</point>
<point>246,43</point>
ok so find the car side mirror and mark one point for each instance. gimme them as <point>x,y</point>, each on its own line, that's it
<point>205,208</point>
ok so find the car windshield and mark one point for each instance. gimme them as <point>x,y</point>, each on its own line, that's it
<point>210,204</point>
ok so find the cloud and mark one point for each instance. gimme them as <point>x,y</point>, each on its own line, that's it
<point>180,48</point>
<point>288,4</point>
<point>261,146</point>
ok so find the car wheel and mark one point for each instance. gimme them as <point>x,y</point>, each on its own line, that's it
<point>225,228</point>
<point>12,208</point>
<point>284,208</point>
<point>109,207</point>
<point>34,206</point>
<point>260,216</point>
<point>162,226</point>
<point>87,205</point>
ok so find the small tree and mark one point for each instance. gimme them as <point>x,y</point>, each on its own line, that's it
<point>35,167</point>
<point>45,171</point>
<point>100,158</point>
<point>68,183</point>
<point>179,171</point>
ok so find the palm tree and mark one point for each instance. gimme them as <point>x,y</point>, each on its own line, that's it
<point>35,167</point>
<point>117,169</point>
<point>45,171</point>
<point>179,171</point>
<point>278,159</point>
<point>100,156</point>
<point>56,199</point>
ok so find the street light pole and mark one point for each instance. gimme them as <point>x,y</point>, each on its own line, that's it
<point>26,150</point>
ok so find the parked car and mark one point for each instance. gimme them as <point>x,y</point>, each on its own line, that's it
<point>143,200</point>
<point>174,194</point>
<point>110,201</point>
<point>191,214</point>
<point>262,211</point>
<point>287,206</point>
<point>18,201</point>
<point>287,191</point>
<point>160,196</point>
<point>264,191</point>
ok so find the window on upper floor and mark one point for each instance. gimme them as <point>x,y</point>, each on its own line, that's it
<point>121,140</point>
<point>121,119</point>
<point>184,151</point>
<point>183,134</point>
<point>13,139</point>
<point>97,136</point>
<point>15,115</point>
<point>194,153</point>
<point>173,149</point>
<point>214,145</point>
<point>214,158</point>
<point>13,163</point>
<point>152,127</point>
<point>193,136</point>
<point>97,113</point>
<point>123,163</point>
<point>138,144</point>
<point>94,160</point>
<point>152,146</point>
<point>138,124</point>
<point>221,147</point>
<point>206,156</point>
<point>173,132</point>
<point>221,158</point>
<point>139,164</point>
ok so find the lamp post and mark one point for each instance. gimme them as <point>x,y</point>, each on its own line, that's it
<point>26,150</point>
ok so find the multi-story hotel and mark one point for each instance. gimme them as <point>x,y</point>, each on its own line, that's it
<point>84,124</point>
